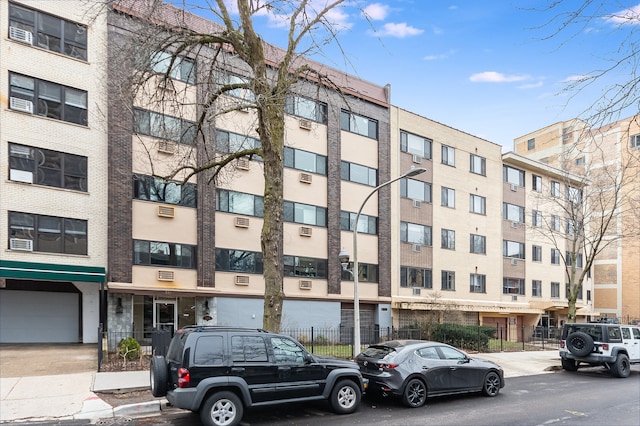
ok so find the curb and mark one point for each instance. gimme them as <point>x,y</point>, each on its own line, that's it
<point>140,408</point>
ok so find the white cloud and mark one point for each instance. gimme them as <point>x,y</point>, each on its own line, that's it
<point>440,56</point>
<point>399,30</point>
<point>629,16</point>
<point>496,77</point>
<point>576,78</point>
<point>376,11</point>
<point>531,85</point>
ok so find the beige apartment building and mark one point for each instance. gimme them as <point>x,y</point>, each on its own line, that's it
<point>53,171</point>
<point>589,152</point>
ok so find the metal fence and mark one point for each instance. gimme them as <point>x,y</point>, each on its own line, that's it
<point>152,342</point>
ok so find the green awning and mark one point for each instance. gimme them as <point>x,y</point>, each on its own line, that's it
<point>51,272</point>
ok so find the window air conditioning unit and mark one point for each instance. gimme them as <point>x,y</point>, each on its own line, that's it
<point>305,124</point>
<point>20,244</point>
<point>416,159</point>
<point>417,204</point>
<point>166,147</point>
<point>306,231</point>
<point>21,35</point>
<point>242,164</point>
<point>166,211</point>
<point>241,222</point>
<point>514,298</point>
<point>514,187</point>
<point>514,224</point>
<point>416,291</point>
<point>417,248</point>
<point>242,279</point>
<point>19,104</point>
<point>514,261</point>
<point>20,176</point>
<point>164,275</point>
<point>306,177</point>
<point>306,284</point>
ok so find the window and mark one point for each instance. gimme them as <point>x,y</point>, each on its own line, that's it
<point>531,144</point>
<point>306,108</point>
<point>513,286</point>
<point>478,244</point>
<point>228,142</point>
<point>580,161</point>
<point>46,167</point>
<point>366,224</point>
<point>477,283</point>
<point>448,280</point>
<point>286,351</point>
<point>512,212</point>
<point>574,194</point>
<point>183,69</point>
<point>414,144</point>
<point>448,198</point>
<point>478,165</point>
<point>305,214</point>
<point>635,141</point>
<point>448,155</point>
<point>239,261</point>
<point>555,223</point>
<point>245,349</point>
<point>570,257</point>
<point>555,256</point>
<point>555,290</point>
<point>536,183</point>
<point>366,273</point>
<point>49,32</point>
<point>163,126</point>
<point>234,85</point>
<point>49,99</point>
<point>296,266</point>
<point>49,233</point>
<point>536,288</point>
<point>477,204</point>
<point>415,234</point>
<point>240,203</point>
<point>555,189</point>
<point>448,239</point>
<point>210,351</point>
<point>305,160</point>
<point>415,189</point>
<point>536,218</point>
<point>165,254</point>
<point>589,299</point>
<point>536,253</point>
<point>359,174</point>
<point>415,277</point>
<point>512,175</point>
<point>155,189</point>
<point>358,124</point>
<point>513,249</point>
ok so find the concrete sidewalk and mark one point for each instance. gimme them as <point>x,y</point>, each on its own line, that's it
<point>73,396</point>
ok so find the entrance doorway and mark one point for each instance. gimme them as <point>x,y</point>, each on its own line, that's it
<point>165,315</point>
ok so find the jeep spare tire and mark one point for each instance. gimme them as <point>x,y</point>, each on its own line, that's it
<point>159,376</point>
<point>579,343</point>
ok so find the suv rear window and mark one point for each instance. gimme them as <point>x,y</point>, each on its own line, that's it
<point>595,331</point>
<point>174,353</point>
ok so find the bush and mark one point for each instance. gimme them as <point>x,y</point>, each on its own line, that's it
<point>468,337</point>
<point>129,349</point>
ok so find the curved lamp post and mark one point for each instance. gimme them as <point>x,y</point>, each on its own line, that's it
<point>344,257</point>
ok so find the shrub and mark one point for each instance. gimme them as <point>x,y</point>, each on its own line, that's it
<point>129,349</point>
<point>475,338</point>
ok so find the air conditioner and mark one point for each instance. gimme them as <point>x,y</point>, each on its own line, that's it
<point>242,164</point>
<point>305,124</point>
<point>241,222</point>
<point>514,187</point>
<point>166,147</point>
<point>20,244</point>
<point>514,224</point>
<point>514,298</point>
<point>514,261</point>
<point>416,291</point>
<point>21,35</point>
<point>306,284</point>
<point>166,211</point>
<point>19,104</point>
<point>416,159</point>
<point>164,275</point>
<point>306,177</point>
<point>417,248</point>
<point>242,279</point>
<point>417,204</point>
<point>306,231</point>
<point>20,176</point>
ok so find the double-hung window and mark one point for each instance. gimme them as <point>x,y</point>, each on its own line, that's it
<point>536,183</point>
<point>416,145</point>
<point>477,283</point>
<point>555,223</point>
<point>478,165</point>
<point>46,167</point>
<point>478,244</point>
<point>513,249</point>
<point>536,253</point>
<point>415,189</point>
<point>477,204</point>
<point>448,155</point>
<point>512,212</point>
<point>555,189</point>
<point>635,141</point>
<point>49,233</point>
<point>555,256</point>
<point>536,218</point>
<point>448,197</point>
<point>555,290</point>
<point>512,175</point>
<point>448,239</point>
<point>536,288</point>
<point>359,124</point>
<point>513,286</point>
<point>448,280</point>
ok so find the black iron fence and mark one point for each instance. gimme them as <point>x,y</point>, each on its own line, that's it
<point>118,347</point>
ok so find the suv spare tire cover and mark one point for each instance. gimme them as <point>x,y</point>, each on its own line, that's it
<point>580,343</point>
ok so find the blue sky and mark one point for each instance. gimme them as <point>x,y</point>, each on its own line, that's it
<point>484,67</point>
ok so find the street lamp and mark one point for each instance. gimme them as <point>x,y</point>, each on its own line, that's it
<point>344,257</point>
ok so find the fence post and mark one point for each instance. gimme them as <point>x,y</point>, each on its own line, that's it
<point>312,341</point>
<point>523,337</point>
<point>501,341</point>
<point>99,346</point>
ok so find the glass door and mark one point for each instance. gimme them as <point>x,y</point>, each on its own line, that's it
<point>165,315</point>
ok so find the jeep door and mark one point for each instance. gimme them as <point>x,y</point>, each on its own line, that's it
<point>297,377</point>
<point>631,341</point>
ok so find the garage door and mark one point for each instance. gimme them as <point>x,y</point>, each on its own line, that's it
<point>38,317</point>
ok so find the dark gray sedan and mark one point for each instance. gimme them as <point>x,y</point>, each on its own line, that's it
<point>417,369</point>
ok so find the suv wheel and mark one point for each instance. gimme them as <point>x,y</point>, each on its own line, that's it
<point>222,409</point>
<point>415,394</point>
<point>579,343</point>
<point>158,375</point>
<point>569,365</point>
<point>621,368</point>
<point>345,397</point>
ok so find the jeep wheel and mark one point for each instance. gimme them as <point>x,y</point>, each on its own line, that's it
<point>491,385</point>
<point>579,343</point>
<point>222,409</point>
<point>345,397</point>
<point>158,376</point>
<point>621,368</point>
<point>415,394</point>
<point>569,365</point>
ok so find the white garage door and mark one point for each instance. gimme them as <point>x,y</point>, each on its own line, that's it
<point>38,317</point>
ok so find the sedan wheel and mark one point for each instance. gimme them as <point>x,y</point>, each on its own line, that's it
<point>415,394</point>
<point>491,385</point>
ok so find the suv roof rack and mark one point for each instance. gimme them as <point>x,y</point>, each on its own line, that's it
<point>199,328</point>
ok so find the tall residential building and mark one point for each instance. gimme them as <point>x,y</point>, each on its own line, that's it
<point>53,162</point>
<point>574,146</point>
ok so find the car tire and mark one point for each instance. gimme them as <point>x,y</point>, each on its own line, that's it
<point>345,397</point>
<point>491,384</point>
<point>621,367</point>
<point>569,365</point>
<point>579,343</point>
<point>415,393</point>
<point>222,409</point>
<point>158,376</point>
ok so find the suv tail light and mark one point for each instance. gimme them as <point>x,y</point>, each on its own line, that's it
<point>184,378</point>
<point>562,343</point>
<point>605,346</point>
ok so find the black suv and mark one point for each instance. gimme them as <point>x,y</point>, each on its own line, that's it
<point>219,371</point>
